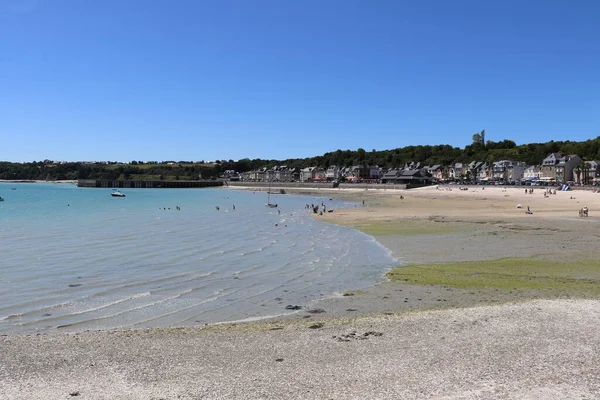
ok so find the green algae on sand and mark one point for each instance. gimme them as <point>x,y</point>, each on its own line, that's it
<point>579,278</point>
<point>353,292</point>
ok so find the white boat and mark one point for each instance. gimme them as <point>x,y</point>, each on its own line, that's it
<point>269,204</point>
<point>116,193</point>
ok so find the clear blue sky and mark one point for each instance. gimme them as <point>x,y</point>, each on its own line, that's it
<point>203,80</point>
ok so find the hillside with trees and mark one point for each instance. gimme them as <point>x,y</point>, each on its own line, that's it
<point>478,150</point>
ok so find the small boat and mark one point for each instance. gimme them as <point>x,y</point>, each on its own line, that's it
<point>1,198</point>
<point>116,193</point>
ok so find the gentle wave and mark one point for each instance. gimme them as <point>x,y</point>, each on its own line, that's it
<point>102,264</point>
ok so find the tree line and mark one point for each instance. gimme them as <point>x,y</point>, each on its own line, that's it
<point>479,150</point>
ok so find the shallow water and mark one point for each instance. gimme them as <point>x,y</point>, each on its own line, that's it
<point>80,259</point>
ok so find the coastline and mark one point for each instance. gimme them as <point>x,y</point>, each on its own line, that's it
<point>445,225</point>
<point>393,340</point>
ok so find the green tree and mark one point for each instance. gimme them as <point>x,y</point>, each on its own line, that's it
<point>578,170</point>
<point>361,155</point>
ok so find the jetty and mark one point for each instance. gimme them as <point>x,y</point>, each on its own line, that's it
<point>159,184</point>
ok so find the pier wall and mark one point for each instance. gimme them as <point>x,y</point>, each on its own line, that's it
<point>117,184</point>
<point>100,183</point>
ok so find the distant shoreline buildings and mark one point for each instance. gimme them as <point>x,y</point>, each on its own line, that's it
<point>556,167</point>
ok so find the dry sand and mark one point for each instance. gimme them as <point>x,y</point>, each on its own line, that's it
<point>538,350</point>
<point>528,350</point>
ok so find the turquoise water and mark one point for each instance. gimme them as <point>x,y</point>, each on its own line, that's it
<point>74,259</point>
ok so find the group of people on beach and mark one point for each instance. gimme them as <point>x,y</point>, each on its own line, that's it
<point>319,209</point>
<point>314,207</point>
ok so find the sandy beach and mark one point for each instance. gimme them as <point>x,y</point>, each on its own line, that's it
<point>491,302</point>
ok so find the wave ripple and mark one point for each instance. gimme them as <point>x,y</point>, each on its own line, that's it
<point>78,259</point>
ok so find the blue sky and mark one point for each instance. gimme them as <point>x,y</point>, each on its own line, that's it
<point>229,79</point>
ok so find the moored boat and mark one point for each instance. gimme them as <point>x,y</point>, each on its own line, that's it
<point>269,204</point>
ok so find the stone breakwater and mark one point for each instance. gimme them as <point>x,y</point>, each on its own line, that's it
<point>117,184</point>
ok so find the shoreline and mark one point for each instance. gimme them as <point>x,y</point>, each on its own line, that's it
<point>420,224</point>
<point>417,231</point>
<point>397,339</point>
<point>406,226</point>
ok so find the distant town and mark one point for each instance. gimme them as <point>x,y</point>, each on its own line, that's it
<point>555,168</point>
<point>482,162</point>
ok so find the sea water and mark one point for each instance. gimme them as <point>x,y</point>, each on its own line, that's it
<point>74,259</point>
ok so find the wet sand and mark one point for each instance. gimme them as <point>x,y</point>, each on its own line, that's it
<point>393,340</point>
<point>442,225</point>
